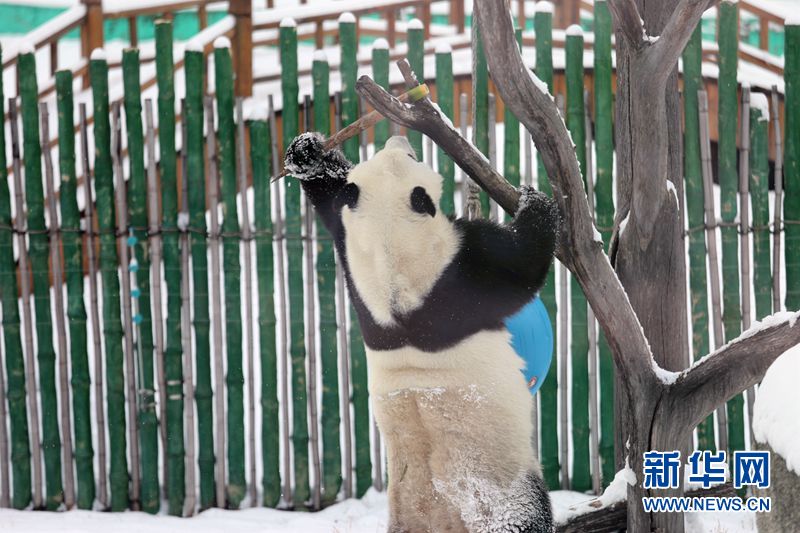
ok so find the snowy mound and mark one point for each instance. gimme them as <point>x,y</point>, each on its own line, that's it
<point>775,419</point>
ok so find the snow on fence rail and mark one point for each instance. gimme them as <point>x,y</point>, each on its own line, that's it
<point>300,449</point>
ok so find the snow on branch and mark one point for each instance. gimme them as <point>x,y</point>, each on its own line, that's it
<point>733,368</point>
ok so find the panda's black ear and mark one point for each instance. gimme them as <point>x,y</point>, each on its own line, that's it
<point>421,202</point>
<point>347,196</point>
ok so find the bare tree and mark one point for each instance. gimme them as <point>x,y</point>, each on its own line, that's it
<point>640,301</point>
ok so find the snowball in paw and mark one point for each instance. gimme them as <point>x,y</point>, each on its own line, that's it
<point>304,156</point>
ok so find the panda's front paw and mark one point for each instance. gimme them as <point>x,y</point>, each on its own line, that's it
<point>305,155</point>
<point>540,206</point>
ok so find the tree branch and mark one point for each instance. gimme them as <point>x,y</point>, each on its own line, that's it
<point>527,97</point>
<point>733,368</point>
<point>667,50</point>
<point>628,21</point>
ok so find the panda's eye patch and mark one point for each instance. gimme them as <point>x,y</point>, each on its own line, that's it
<point>347,196</point>
<point>421,202</point>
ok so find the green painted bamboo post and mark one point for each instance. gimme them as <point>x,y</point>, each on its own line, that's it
<point>548,403</point>
<point>358,358</point>
<point>729,185</point>
<point>576,123</point>
<point>698,285</point>
<point>326,294</point>
<point>416,58</point>
<point>195,170</point>
<point>173,352</point>
<point>261,157</point>
<point>791,202</point>
<point>480,105</point>
<point>39,255</point>
<point>112,322</point>
<point>444,97</point>
<point>15,361</point>
<point>226,135</point>
<point>511,148</point>
<point>604,200</point>
<point>294,249</point>
<point>380,75</point>
<point>759,195</point>
<point>137,212</point>
<point>72,242</point>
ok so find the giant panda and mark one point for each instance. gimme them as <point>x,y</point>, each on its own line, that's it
<point>431,295</point>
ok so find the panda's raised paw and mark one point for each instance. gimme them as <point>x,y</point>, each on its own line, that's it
<point>307,159</point>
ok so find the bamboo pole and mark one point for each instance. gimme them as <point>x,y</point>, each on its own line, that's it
<point>247,237</point>
<point>156,253</point>
<point>380,75</point>
<point>348,42</point>
<point>480,102</point>
<point>548,393</point>
<point>216,300</point>
<point>226,137</point>
<point>744,232</point>
<point>39,252</point>
<point>185,328</point>
<point>695,209</point>
<point>100,416</point>
<point>603,192</point>
<point>15,358</point>
<point>791,202</point>
<point>344,349</point>
<point>294,252</point>
<point>137,193</point>
<point>564,391</point>
<point>195,173</point>
<point>778,208</point>
<point>759,196</point>
<point>137,395</point>
<point>76,311</point>
<point>283,320</point>
<point>326,291</point>
<point>444,97</point>
<point>728,180</point>
<point>20,228</point>
<point>711,237</point>
<point>576,123</point>
<point>260,157</point>
<point>56,264</point>
<point>173,352</point>
<point>470,201</point>
<point>416,58</point>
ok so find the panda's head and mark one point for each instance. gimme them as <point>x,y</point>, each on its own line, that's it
<point>398,241</point>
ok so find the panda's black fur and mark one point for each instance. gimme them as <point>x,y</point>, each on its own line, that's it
<point>496,270</point>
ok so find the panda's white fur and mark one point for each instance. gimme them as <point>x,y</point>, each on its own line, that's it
<point>457,423</point>
<point>396,276</point>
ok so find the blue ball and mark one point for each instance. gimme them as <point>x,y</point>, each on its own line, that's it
<point>132,241</point>
<point>532,339</point>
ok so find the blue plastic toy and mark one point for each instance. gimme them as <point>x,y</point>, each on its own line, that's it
<point>532,339</point>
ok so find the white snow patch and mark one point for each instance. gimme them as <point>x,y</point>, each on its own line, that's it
<point>347,18</point>
<point>415,24</point>
<point>255,109</point>
<point>624,224</point>
<point>193,46</point>
<point>574,31</point>
<point>666,377</point>
<point>793,19</point>
<point>544,7</point>
<point>671,188</point>
<point>320,55</point>
<point>542,86</point>
<point>617,490</point>
<point>25,47</point>
<point>568,505</point>
<point>289,22</point>
<point>597,236</point>
<point>183,220</point>
<point>98,54</point>
<point>652,39</point>
<point>759,101</point>
<point>775,419</point>
<point>444,48</point>
<point>222,42</point>
<point>380,44</point>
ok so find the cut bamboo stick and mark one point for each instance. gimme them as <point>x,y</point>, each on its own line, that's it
<point>58,302</point>
<point>27,320</point>
<point>216,300</point>
<point>134,394</point>
<point>311,329</point>
<point>186,330</point>
<point>778,211</point>
<point>154,236</point>
<point>283,345</point>
<point>94,313</point>
<point>711,238</point>
<point>247,237</point>
<point>744,233</point>
<point>344,352</point>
